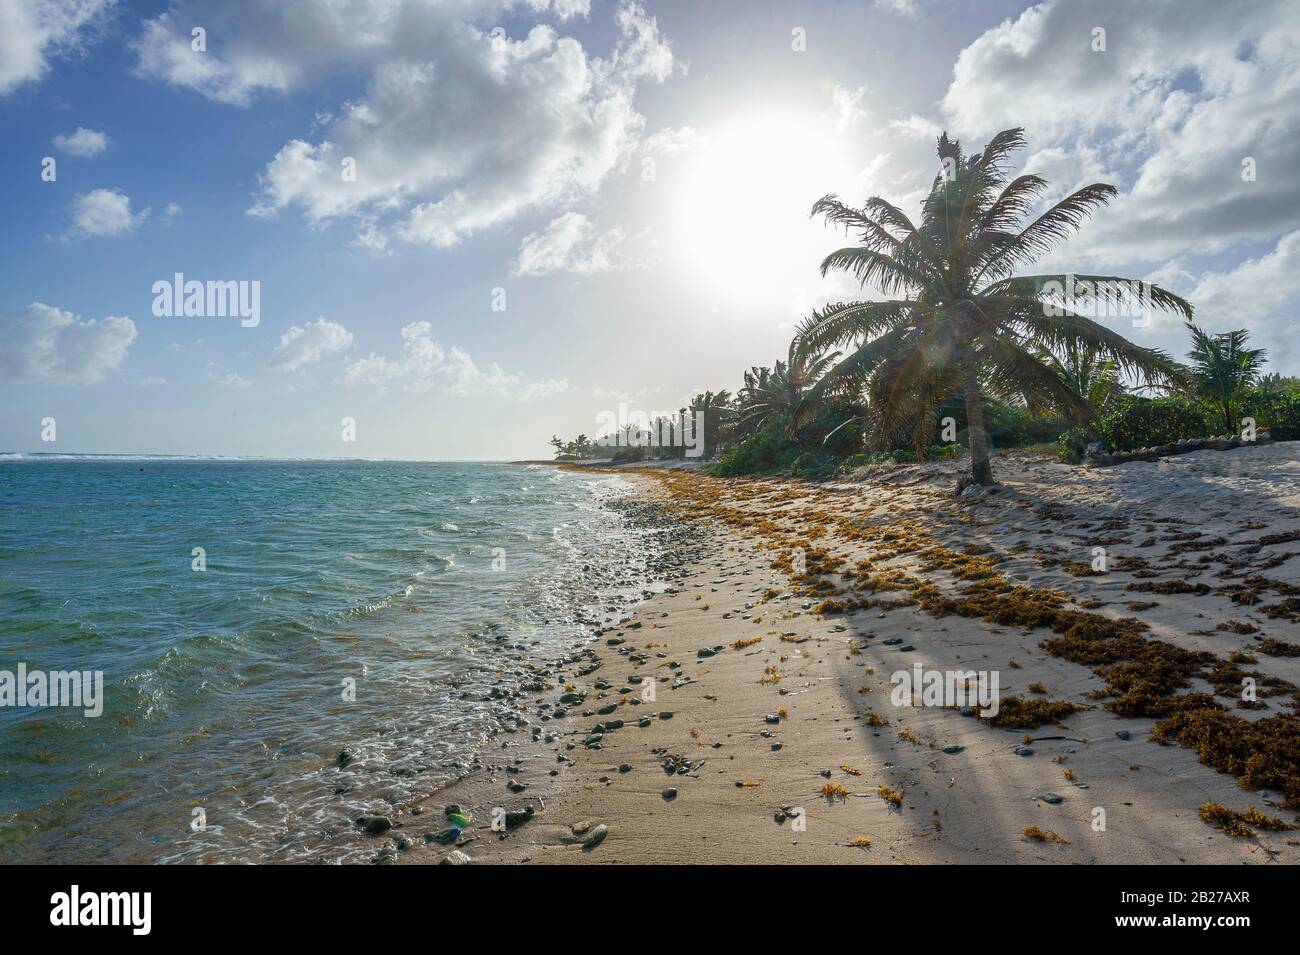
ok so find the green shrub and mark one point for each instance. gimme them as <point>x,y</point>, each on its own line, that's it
<point>1011,427</point>
<point>1132,422</point>
<point>771,450</point>
<point>766,450</point>
<point>1073,444</point>
<point>629,455</point>
<point>1007,426</point>
<point>814,464</point>
<point>1275,407</point>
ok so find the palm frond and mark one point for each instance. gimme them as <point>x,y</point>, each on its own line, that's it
<point>1041,236</point>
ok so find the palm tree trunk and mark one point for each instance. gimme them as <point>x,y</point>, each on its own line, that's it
<point>980,468</point>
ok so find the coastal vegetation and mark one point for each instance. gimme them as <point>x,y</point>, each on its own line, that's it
<point>964,353</point>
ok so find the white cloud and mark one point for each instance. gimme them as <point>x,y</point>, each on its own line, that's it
<point>172,210</point>
<point>370,236</point>
<point>460,128</point>
<point>103,212</point>
<point>570,243</point>
<point>846,106</point>
<point>1180,96</point>
<point>672,140</point>
<point>425,365</point>
<point>918,127</point>
<point>85,143</point>
<point>543,388</point>
<point>306,344</point>
<point>1259,294</point>
<point>34,31</point>
<point>43,343</point>
<point>230,379</point>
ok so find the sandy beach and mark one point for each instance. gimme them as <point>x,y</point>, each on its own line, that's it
<point>772,736</point>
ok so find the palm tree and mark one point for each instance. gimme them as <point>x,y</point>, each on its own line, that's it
<point>715,410</point>
<point>1222,368</point>
<point>769,394</point>
<point>956,319</point>
<point>1086,372</point>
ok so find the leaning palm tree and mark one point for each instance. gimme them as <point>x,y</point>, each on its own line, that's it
<point>1222,368</point>
<point>956,318</point>
<point>769,394</point>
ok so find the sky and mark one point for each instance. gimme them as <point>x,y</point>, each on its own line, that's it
<point>473,224</point>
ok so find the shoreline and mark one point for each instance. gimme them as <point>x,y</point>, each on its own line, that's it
<point>920,783</point>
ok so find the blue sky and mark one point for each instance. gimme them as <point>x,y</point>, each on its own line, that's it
<point>633,178</point>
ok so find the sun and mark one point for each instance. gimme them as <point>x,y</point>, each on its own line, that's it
<point>741,219</point>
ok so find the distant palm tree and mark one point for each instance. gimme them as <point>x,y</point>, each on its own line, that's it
<point>715,413</point>
<point>1086,372</point>
<point>769,394</point>
<point>1222,368</point>
<point>957,320</point>
<point>1277,382</point>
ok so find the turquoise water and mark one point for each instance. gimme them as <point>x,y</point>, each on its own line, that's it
<point>224,688</point>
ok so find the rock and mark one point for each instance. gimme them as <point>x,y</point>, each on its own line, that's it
<point>775,747</point>
<point>1123,734</point>
<point>447,837</point>
<point>624,768</point>
<point>455,857</point>
<point>595,837</point>
<point>953,748</point>
<point>669,794</point>
<point>666,714</point>
<point>514,819</point>
<point>375,825</point>
<point>771,718</point>
<point>1024,751</point>
<point>343,758</point>
<point>1052,799</point>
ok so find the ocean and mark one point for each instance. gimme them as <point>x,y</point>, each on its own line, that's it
<point>335,607</point>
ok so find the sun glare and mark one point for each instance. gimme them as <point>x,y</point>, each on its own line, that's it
<point>742,217</point>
